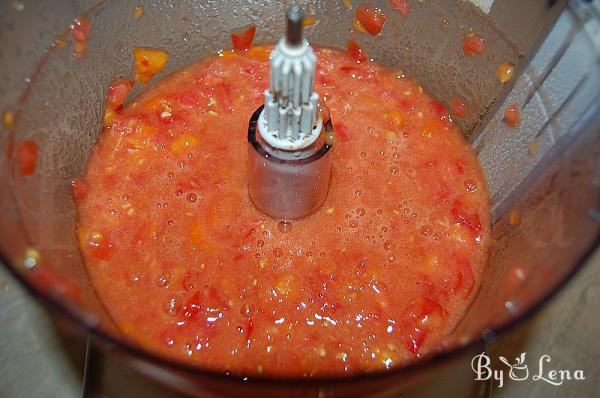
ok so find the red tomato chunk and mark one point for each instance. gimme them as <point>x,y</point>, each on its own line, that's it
<point>371,18</point>
<point>356,52</point>
<point>118,92</point>
<point>242,40</point>
<point>473,45</point>
<point>512,116</point>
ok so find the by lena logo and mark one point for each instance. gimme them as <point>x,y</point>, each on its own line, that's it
<point>519,371</point>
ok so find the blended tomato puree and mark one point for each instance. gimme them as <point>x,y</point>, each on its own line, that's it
<point>187,266</point>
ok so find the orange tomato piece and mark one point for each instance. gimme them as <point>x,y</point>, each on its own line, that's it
<point>138,12</point>
<point>309,21</point>
<point>27,155</point>
<point>512,116</point>
<point>243,38</point>
<point>371,18</point>
<point>356,52</point>
<point>505,71</point>
<point>80,30</point>
<point>118,92</point>
<point>148,62</point>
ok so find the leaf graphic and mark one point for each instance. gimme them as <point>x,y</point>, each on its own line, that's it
<point>522,358</point>
<point>505,361</point>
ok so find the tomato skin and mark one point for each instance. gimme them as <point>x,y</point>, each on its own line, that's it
<point>118,92</point>
<point>27,155</point>
<point>473,45</point>
<point>401,6</point>
<point>371,18</point>
<point>81,29</point>
<point>242,40</point>
<point>356,52</point>
<point>512,116</point>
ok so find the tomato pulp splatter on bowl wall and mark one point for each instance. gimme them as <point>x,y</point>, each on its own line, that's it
<point>190,269</point>
<point>370,18</point>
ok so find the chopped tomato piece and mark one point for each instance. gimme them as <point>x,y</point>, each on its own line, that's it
<point>473,45</point>
<point>309,21</point>
<point>505,71</point>
<point>458,107</point>
<point>118,92</point>
<point>80,31</point>
<point>439,109</point>
<point>356,52</point>
<point>371,18</point>
<point>401,6</point>
<point>358,26</point>
<point>8,118</point>
<point>109,116</point>
<point>138,12</point>
<point>80,190</point>
<point>148,62</point>
<point>242,39</point>
<point>512,116</point>
<point>27,154</point>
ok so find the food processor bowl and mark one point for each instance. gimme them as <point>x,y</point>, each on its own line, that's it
<point>544,176</point>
